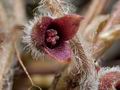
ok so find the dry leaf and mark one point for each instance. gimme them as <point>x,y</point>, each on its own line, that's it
<point>95,27</point>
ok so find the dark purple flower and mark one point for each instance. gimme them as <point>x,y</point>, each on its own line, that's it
<point>52,35</point>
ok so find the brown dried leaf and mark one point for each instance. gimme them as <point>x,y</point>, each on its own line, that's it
<point>106,39</point>
<point>95,27</point>
<point>111,35</point>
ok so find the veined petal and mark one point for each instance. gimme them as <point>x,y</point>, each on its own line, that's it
<point>67,26</point>
<point>61,53</point>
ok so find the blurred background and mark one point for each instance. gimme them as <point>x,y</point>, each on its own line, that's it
<point>43,71</point>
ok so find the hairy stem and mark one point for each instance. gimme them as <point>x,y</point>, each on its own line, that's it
<point>76,76</point>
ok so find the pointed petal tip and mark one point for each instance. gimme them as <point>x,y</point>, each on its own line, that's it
<point>76,17</point>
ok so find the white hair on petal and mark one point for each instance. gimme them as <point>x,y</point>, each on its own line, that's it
<point>106,70</point>
<point>44,9</point>
<point>27,40</point>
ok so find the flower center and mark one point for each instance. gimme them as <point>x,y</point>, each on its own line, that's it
<point>51,37</point>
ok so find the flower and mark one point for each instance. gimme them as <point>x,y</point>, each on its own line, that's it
<point>52,35</point>
<point>109,79</point>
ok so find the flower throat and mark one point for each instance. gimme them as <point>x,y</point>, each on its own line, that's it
<point>51,38</point>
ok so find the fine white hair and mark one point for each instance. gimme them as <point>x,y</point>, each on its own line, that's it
<point>27,40</point>
<point>106,70</point>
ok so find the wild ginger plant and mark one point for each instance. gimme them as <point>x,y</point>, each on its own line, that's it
<point>69,38</point>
